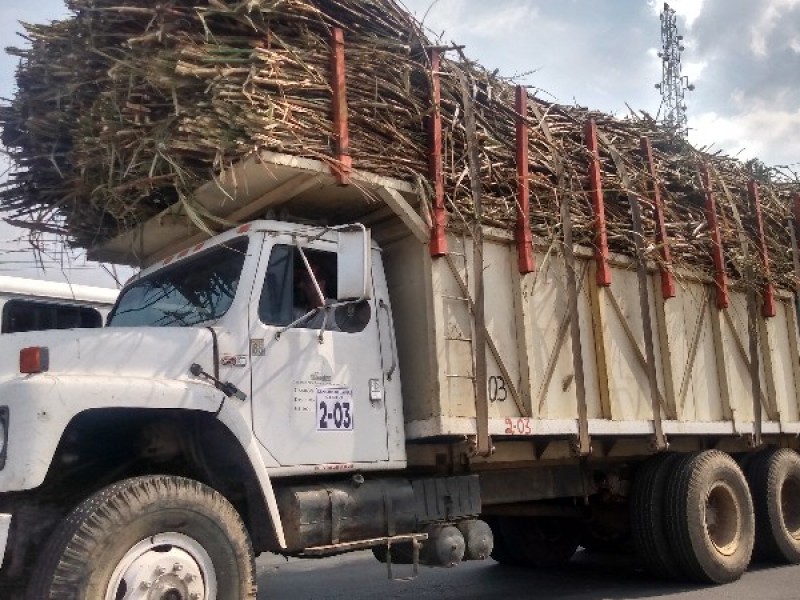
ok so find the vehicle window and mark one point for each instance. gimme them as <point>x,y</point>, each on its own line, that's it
<point>197,290</point>
<point>289,292</point>
<point>36,315</point>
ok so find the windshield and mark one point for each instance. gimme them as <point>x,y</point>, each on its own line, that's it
<point>192,291</point>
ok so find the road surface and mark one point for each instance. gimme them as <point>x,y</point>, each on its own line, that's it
<point>358,576</point>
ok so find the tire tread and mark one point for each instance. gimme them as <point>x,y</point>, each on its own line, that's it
<point>647,516</point>
<point>765,473</point>
<point>687,483</point>
<point>74,540</point>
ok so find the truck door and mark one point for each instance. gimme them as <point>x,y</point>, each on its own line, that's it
<point>317,392</point>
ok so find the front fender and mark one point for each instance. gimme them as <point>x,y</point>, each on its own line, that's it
<point>41,406</point>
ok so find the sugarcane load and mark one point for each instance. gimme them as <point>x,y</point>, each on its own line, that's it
<point>124,109</point>
<point>388,300</point>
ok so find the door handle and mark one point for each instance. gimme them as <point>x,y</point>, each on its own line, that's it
<point>385,307</point>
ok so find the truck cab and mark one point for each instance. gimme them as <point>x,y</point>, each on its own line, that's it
<point>261,362</point>
<point>322,381</point>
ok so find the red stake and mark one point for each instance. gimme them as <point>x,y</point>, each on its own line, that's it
<point>436,170</point>
<point>598,206</point>
<point>667,279</point>
<point>344,162</point>
<point>525,259</point>
<point>768,293</point>
<point>720,278</point>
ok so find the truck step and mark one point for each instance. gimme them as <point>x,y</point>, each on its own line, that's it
<point>327,550</point>
<point>413,538</point>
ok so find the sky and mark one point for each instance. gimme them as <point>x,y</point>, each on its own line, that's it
<point>743,57</point>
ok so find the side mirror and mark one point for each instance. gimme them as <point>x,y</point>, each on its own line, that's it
<point>354,264</point>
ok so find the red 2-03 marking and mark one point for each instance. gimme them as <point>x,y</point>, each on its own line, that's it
<point>520,426</point>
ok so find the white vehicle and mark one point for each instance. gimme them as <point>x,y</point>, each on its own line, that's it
<point>306,390</point>
<point>31,305</point>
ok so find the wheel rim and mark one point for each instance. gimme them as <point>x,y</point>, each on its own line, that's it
<point>723,521</point>
<point>790,506</point>
<point>167,566</point>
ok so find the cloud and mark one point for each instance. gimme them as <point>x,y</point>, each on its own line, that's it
<point>750,133</point>
<point>456,19</point>
<point>694,69</point>
<point>747,94</point>
<point>762,30</point>
<point>688,10</point>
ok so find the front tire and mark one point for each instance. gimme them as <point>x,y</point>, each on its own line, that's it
<point>159,532</point>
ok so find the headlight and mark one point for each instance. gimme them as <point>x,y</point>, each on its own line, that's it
<point>3,435</point>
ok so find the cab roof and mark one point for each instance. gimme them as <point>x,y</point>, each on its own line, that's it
<point>287,187</point>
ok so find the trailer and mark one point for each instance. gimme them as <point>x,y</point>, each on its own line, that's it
<point>327,375</point>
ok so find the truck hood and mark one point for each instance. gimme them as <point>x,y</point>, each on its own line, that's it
<point>152,352</point>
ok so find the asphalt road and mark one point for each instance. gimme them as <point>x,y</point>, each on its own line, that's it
<point>359,576</point>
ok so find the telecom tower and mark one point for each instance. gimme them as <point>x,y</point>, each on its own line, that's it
<point>673,85</point>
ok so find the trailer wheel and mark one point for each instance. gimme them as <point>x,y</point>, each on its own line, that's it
<point>648,527</point>
<point>502,552</point>
<point>541,541</point>
<point>595,543</point>
<point>709,517</point>
<point>607,530</point>
<point>170,535</point>
<point>774,478</point>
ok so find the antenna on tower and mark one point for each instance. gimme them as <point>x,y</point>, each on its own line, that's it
<point>673,85</point>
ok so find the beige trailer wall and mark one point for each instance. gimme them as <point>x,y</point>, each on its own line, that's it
<point>702,354</point>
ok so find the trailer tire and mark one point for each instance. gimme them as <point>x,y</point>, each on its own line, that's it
<point>12,591</point>
<point>709,517</point>
<point>648,526</point>
<point>774,478</point>
<point>593,543</point>
<point>502,551</point>
<point>541,542</point>
<point>146,532</point>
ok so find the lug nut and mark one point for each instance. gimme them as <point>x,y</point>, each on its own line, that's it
<point>189,578</point>
<point>146,585</point>
<point>177,567</point>
<point>195,596</point>
<point>161,570</point>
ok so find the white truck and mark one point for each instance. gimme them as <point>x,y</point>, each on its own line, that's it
<point>311,389</point>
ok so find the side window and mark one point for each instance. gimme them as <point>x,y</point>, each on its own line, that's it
<point>275,306</point>
<point>32,315</point>
<point>289,293</point>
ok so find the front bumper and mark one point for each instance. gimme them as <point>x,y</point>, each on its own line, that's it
<point>5,526</point>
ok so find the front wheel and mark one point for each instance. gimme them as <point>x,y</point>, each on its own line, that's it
<point>156,536</point>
